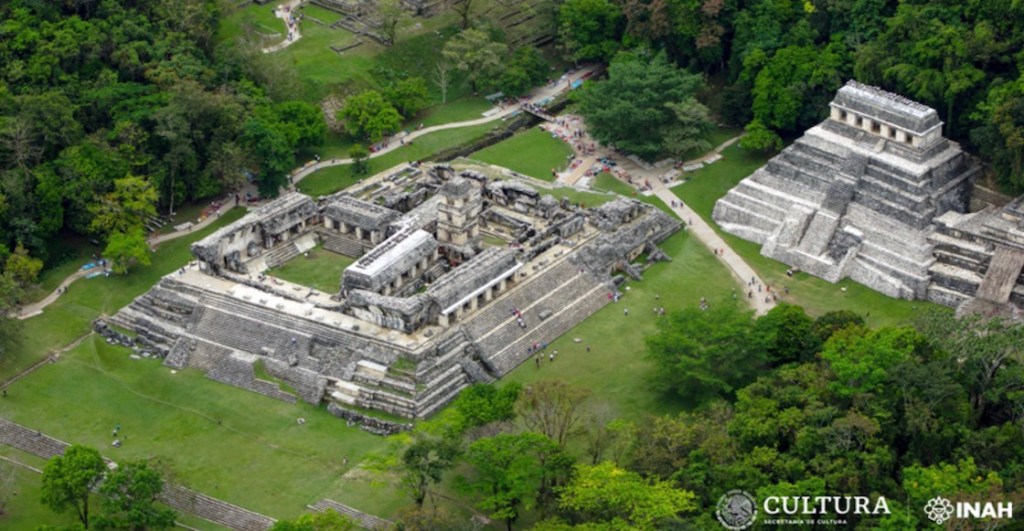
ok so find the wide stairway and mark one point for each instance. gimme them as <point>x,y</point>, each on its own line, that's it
<point>569,294</point>
<point>281,254</point>
<point>343,245</point>
<point>1003,272</point>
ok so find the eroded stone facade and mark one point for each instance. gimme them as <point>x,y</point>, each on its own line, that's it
<point>427,308</point>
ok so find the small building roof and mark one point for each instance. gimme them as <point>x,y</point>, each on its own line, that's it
<point>887,107</point>
<point>359,213</point>
<point>395,254</point>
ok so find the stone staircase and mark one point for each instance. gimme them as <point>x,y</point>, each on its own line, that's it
<point>573,313</point>
<point>281,254</point>
<point>1003,274</point>
<point>30,441</point>
<point>519,297</point>
<point>343,245</point>
<point>366,521</point>
<point>174,496</point>
<point>217,511</point>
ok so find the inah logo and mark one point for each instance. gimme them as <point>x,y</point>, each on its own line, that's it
<point>938,509</point>
<point>736,510</point>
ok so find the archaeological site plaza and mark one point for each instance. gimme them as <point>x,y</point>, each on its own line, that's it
<point>461,269</point>
<point>876,194</point>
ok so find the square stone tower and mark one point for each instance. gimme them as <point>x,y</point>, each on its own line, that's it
<point>457,230</point>
<point>857,195</point>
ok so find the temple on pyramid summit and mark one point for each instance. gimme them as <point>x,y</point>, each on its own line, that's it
<point>876,194</point>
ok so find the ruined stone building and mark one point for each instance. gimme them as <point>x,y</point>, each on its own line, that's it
<point>875,193</point>
<point>427,307</point>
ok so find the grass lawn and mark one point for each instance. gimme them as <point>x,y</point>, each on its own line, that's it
<point>533,152</point>
<point>615,369</point>
<point>226,442</point>
<point>708,184</point>
<point>321,269</point>
<point>329,180</point>
<point>72,314</point>
<point>609,183</point>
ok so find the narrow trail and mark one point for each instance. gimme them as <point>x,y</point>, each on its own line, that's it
<point>293,34</point>
<point>36,308</point>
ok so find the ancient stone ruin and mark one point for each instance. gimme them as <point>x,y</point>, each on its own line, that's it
<point>459,272</point>
<point>876,194</point>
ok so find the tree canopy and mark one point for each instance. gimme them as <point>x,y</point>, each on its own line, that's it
<point>631,109</point>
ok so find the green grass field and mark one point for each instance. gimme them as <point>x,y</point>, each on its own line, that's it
<point>609,183</point>
<point>226,442</point>
<point>321,269</point>
<point>615,369</point>
<point>817,296</point>
<point>533,152</point>
<point>330,180</point>
<point>71,315</point>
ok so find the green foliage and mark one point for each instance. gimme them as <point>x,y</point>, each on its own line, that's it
<point>553,409</point>
<point>834,321</point>
<point>1000,133</point>
<point>360,159</point>
<point>792,90</point>
<point>329,520</point>
<point>408,96</point>
<point>525,69</point>
<point>760,138</point>
<point>788,335</point>
<point>302,123</point>
<point>590,29</point>
<point>125,248</point>
<point>630,109</point>
<point>128,499</point>
<point>10,327</point>
<point>689,134</point>
<point>511,471</point>
<point>605,493</point>
<point>21,267</point>
<point>481,404</point>
<point>126,208</point>
<point>703,354</point>
<point>68,480</point>
<point>369,116</point>
<point>269,143</point>
<point>423,464</point>
<point>861,359</point>
<point>472,51</point>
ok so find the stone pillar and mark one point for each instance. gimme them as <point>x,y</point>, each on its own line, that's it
<point>901,136</point>
<point>473,304</point>
<point>442,320</point>
<point>851,119</point>
<point>487,295</point>
<point>359,233</point>
<point>836,113</point>
<point>885,131</point>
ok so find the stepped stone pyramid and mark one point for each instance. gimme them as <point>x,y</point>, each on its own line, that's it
<point>856,196</point>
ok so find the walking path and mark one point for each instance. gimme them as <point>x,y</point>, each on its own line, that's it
<point>284,12</point>
<point>37,307</point>
<point>707,235</point>
<point>536,96</point>
<point>651,176</point>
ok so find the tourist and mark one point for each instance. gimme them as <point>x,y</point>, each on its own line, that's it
<point>588,348</point>
<point>551,356</point>
<point>625,311</point>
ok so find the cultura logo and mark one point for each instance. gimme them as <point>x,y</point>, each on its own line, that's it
<point>939,509</point>
<point>736,510</point>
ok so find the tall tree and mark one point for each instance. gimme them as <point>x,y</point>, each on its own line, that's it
<point>128,499</point>
<point>509,471</point>
<point>423,464</point>
<point>590,29</point>
<point>391,13</point>
<point>408,96</point>
<point>125,248</point>
<point>472,51</point>
<point>69,479</point>
<point>465,9</point>
<point>630,109</point>
<point>705,354</point>
<point>127,207</point>
<point>552,408</point>
<point>607,494</point>
<point>369,116</point>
